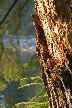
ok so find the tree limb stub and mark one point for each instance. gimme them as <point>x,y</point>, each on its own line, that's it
<point>53,25</point>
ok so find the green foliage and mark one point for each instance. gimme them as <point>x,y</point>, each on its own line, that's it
<point>32,105</point>
<point>3,84</point>
<point>30,81</point>
<point>13,71</point>
<point>26,20</point>
<point>9,69</point>
<point>2,5</point>
<point>19,22</point>
<point>2,106</point>
<point>40,99</point>
<point>33,63</point>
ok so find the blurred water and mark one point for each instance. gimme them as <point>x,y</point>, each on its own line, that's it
<point>24,56</point>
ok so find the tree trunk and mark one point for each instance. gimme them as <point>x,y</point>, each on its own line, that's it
<point>53,25</point>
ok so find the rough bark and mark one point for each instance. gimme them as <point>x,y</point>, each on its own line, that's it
<point>53,25</point>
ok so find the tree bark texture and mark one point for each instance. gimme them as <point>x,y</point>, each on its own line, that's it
<point>53,25</point>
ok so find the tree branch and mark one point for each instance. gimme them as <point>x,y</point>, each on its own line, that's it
<point>14,3</point>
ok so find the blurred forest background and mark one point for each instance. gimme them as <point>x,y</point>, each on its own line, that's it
<point>21,85</point>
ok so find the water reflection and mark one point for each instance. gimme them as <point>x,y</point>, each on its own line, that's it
<point>2,99</point>
<point>24,56</point>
